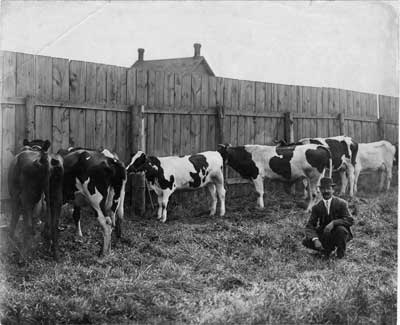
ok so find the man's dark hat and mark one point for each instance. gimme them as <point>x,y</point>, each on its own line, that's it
<point>326,182</point>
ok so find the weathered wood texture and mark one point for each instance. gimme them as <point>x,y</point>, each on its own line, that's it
<point>89,91</point>
<point>96,104</point>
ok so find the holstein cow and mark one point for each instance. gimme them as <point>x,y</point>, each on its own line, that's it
<point>288,163</point>
<point>344,154</point>
<point>167,174</point>
<point>97,180</point>
<point>35,184</point>
<point>376,156</point>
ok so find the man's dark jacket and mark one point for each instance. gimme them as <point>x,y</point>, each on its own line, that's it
<point>338,213</point>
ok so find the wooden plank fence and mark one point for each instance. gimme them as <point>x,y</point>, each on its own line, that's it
<point>76,103</point>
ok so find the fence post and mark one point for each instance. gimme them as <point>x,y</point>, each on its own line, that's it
<point>137,180</point>
<point>341,123</point>
<point>381,128</point>
<point>289,134</point>
<point>220,117</point>
<point>30,117</point>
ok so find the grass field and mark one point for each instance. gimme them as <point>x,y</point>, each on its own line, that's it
<point>247,267</point>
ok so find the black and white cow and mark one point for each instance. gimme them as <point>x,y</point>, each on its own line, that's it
<point>35,183</point>
<point>376,156</point>
<point>344,154</point>
<point>287,163</point>
<point>97,180</point>
<point>167,174</point>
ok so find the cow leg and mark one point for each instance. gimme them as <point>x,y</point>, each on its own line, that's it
<point>55,211</point>
<point>313,182</point>
<point>388,177</point>
<point>28,228</point>
<point>164,204</point>
<point>259,185</point>
<point>213,192</point>
<point>381,179</point>
<point>14,216</point>
<point>107,229</point>
<point>77,219</point>
<point>357,171</point>
<point>160,203</point>
<point>343,181</point>
<point>350,174</point>
<point>221,194</point>
<point>306,188</point>
<point>120,211</point>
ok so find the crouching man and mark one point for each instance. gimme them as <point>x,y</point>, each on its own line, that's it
<point>329,225</point>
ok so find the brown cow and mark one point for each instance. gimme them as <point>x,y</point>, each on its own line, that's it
<point>34,180</point>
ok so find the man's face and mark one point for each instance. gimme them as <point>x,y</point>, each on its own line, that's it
<point>327,192</point>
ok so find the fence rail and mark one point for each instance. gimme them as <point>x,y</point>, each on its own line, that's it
<point>76,103</point>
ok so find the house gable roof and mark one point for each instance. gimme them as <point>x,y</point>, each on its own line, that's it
<point>178,65</point>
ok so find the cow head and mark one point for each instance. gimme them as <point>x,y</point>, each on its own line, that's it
<point>37,144</point>
<point>137,160</point>
<point>223,150</point>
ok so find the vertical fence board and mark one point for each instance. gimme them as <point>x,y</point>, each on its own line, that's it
<point>60,91</point>
<point>212,102</point>
<point>185,135</point>
<point>43,75</point>
<point>260,129</point>
<point>9,74</point>
<point>43,129</point>
<point>176,134</point>
<point>357,112</point>
<point>122,134</point>
<point>195,131</point>
<point>306,108</point>
<point>158,135</point>
<point>25,74</point>
<point>90,97</point>
<point>150,134</point>
<point>343,108</point>
<point>8,144</point>
<point>111,134</point>
<point>169,87</point>
<point>101,84</point>
<point>112,84</point>
<point>77,80</point>
<point>131,86</point>
<point>204,118</point>
<point>350,112</point>
<point>3,175</point>
<point>121,85</point>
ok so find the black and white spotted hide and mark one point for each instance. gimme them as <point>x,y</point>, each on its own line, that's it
<point>288,164</point>
<point>344,155</point>
<point>96,179</point>
<point>167,174</point>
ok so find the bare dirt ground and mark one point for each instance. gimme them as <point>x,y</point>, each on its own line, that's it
<point>246,267</point>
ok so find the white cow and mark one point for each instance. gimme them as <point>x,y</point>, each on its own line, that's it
<point>376,156</point>
<point>167,174</point>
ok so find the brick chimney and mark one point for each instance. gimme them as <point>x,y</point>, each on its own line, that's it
<point>197,47</point>
<point>140,54</point>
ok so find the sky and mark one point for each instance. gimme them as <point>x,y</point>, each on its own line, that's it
<point>342,44</point>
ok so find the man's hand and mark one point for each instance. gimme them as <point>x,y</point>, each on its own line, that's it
<point>328,227</point>
<point>317,244</point>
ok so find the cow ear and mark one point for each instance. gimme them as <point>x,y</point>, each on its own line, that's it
<point>46,145</point>
<point>25,142</point>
